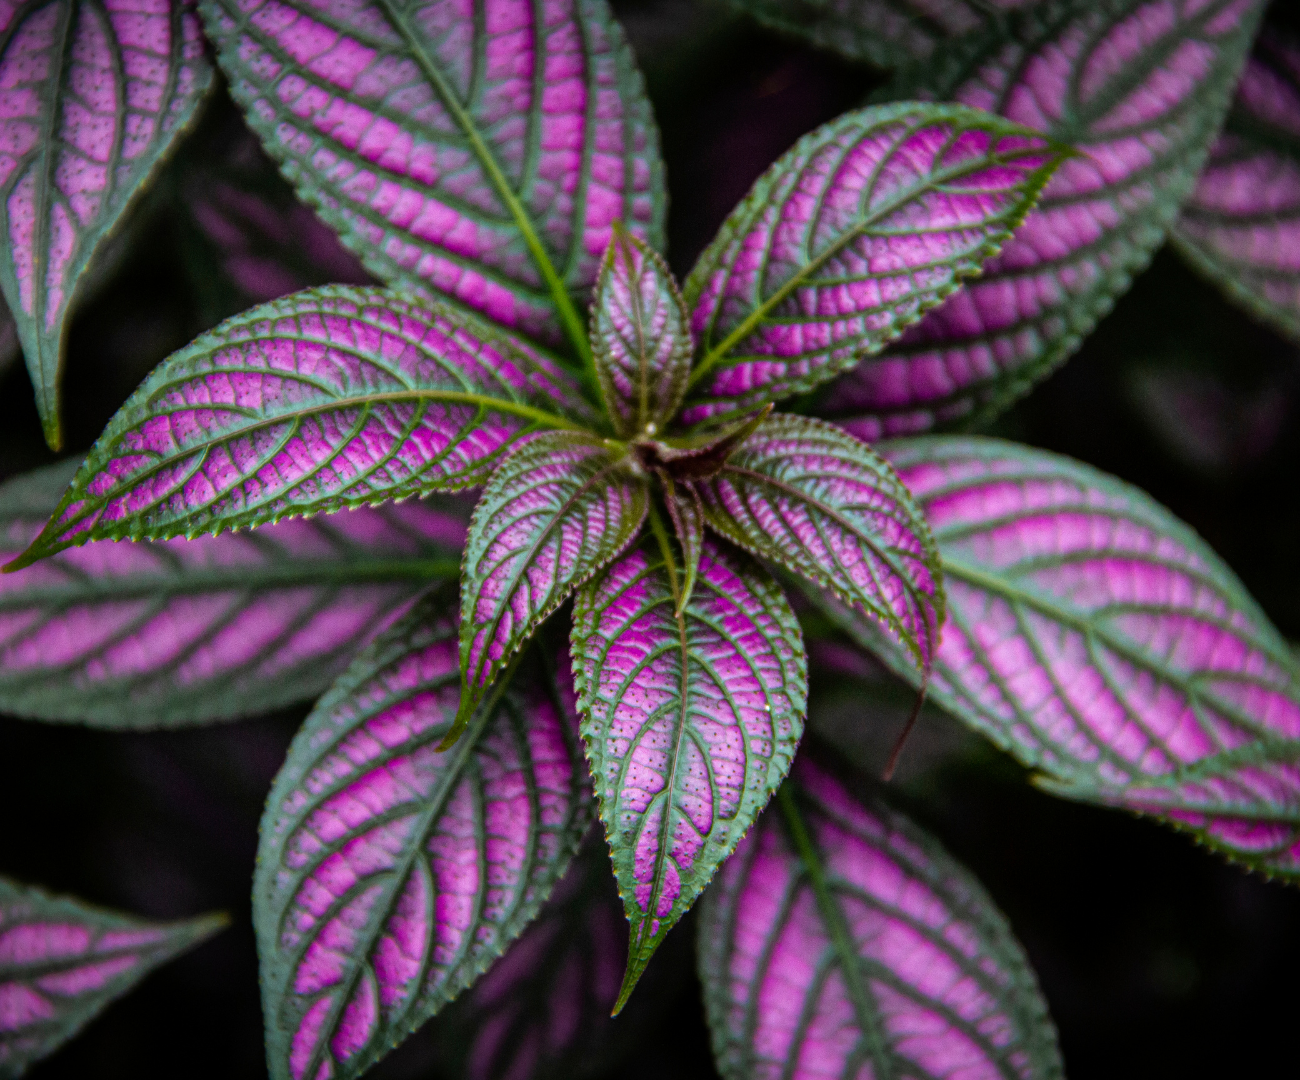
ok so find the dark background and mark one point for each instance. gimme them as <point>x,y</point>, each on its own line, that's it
<point>1156,958</point>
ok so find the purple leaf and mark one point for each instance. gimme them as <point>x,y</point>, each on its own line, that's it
<point>640,337</point>
<point>331,398</point>
<point>63,961</point>
<point>687,513</point>
<point>95,96</point>
<point>803,494</point>
<point>1099,640</point>
<point>1241,227</point>
<point>389,875</point>
<point>560,507</point>
<point>690,722</point>
<point>865,224</point>
<point>1140,87</point>
<point>170,633</point>
<point>841,940</point>
<point>479,149</point>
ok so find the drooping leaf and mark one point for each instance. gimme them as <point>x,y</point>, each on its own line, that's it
<point>169,633</point>
<point>687,514</point>
<point>690,722</point>
<point>851,236</point>
<point>63,961</point>
<point>1099,640</point>
<point>841,940</point>
<point>560,507</point>
<point>803,494</point>
<point>330,398</point>
<point>1140,87</point>
<point>1241,227</point>
<point>482,150</point>
<point>389,875</point>
<point>96,96</point>
<point>641,338</point>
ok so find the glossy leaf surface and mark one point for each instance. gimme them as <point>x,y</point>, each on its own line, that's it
<point>687,514</point>
<point>841,940</point>
<point>558,509</point>
<point>855,232</point>
<point>1102,642</point>
<point>330,398</point>
<point>640,337</point>
<point>63,961</point>
<point>95,97</point>
<point>389,875</point>
<point>170,633</point>
<point>481,149</point>
<point>1140,88</point>
<point>803,494</point>
<point>690,722</point>
<point>1241,226</point>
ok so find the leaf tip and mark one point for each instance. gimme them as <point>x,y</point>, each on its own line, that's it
<point>635,969</point>
<point>463,712</point>
<point>23,560</point>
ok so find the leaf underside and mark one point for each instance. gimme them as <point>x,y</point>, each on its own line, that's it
<point>1140,88</point>
<point>63,961</point>
<point>841,940</point>
<point>97,95</point>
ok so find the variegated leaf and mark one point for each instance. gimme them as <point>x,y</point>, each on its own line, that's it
<point>389,875</point>
<point>841,940</point>
<point>690,721</point>
<point>1140,87</point>
<point>851,236</point>
<point>687,514</point>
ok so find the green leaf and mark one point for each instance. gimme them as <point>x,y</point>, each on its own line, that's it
<point>687,514</point>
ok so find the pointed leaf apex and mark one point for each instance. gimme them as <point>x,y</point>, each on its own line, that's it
<point>464,711</point>
<point>636,966</point>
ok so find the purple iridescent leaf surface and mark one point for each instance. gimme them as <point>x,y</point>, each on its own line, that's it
<point>803,494</point>
<point>480,148</point>
<point>63,961</point>
<point>1241,227</point>
<point>689,721</point>
<point>640,337</point>
<point>861,227</point>
<point>330,398</point>
<point>95,96</point>
<point>1099,640</point>
<point>560,507</point>
<point>389,875</point>
<point>169,633</point>
<point>841,940</point>
<point>1140,88</point>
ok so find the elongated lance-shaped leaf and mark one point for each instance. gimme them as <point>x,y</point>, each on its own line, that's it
<point>841,940</point>
<point>1140,87</point>
<point>330,398</point>
<point>96,95</point>
<point>179,632</point>
<point>687,514</point>
<point>1241,227</point>
<point>480,149</point>
<point>389,875</point>
<point>1100,641</point>
<point>63,961</point>
<point>641,338</point>
<point>690,721</point>
<point>851,236</point>
<point>559,508</point>
<point>803,494</point>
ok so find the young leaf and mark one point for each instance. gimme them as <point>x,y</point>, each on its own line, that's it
<point>482,150</point>
<point>1140,87</point>
<point>803,494</point>
<point>389,875</point>
<point>96,96</point>
<point>690,721</point>
<point>1099,640</point>
<point>860,228</point>
<point>62,962</point>
<point>559,508</point>
<point>170,633</point>
<point>330,398</point>
<point>1241,227</point>
<point>687,513</point>
<point>841,940</point>
<point>640,336</point>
